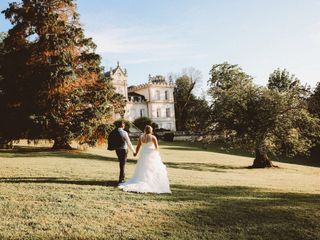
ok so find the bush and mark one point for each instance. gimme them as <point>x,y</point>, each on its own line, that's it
<point>168,137</point>
<point>163,130</point>
<point>155,126</point>
<point>142,122</point>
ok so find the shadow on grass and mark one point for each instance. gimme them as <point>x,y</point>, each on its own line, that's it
<point>39,152</point>
<point>48,180</point>
<point>298,161</point>
<point>26,152</point>
<point>208,167</point>
<point>245,213</point>
<point>219,148</point>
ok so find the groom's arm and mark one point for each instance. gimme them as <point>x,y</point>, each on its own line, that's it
<point>128,141</point>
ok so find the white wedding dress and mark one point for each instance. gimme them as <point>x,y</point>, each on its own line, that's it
<point>150,175</point>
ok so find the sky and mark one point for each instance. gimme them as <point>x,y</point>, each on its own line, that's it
<point>162,37</point>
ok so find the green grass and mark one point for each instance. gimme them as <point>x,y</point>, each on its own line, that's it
<point>73,195</point>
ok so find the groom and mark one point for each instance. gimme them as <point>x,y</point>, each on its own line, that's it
<point>122,150</point>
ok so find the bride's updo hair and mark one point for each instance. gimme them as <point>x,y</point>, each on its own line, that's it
<point>148,129</point>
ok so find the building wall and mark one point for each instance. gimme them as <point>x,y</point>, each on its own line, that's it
<point>157,100</point>
<point>144,92</point>
<point>133,110</point>
<point>163,114</point>
<point>120,83</point>
<point>160,104</point>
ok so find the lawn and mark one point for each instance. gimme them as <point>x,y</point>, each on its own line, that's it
<point>73,195</point>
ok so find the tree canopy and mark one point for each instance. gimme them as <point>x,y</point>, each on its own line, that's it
<point>281,80</point>
<point>192,112</point>
<point>260,119</point>
<point>53,84</point>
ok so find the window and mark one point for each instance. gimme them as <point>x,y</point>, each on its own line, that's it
<point>166,95</point>
<point>168,112</point>
<point>142,112</point>
<point>157,95</point>
<point>158,112</point>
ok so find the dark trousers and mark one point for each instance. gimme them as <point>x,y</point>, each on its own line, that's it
<point>122,156</point>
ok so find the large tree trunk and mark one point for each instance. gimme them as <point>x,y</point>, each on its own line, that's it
<point>179,121</point>
<point>262,160</point>
<point>61,144</point>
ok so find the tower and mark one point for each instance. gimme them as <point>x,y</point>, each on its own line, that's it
<point>119,79</point>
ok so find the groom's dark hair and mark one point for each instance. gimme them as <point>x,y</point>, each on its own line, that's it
<point>119,123</point>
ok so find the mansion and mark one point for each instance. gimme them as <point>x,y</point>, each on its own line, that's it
<point>153,99</point>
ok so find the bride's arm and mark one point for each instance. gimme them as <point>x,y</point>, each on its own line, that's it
<point>138,146</point>
<point>155,142</point>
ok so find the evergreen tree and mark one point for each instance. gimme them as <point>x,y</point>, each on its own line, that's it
<point>53,76</point>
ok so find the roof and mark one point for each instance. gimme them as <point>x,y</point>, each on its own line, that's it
<point>157,79</point>
<point>134,94</point>
<point>107,74</point>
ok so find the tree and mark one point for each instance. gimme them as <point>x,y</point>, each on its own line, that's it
<point>281,80</point>
<point>142,122</point>
<point>3,143</point>
<point>186,83</point>
<point>314,101</point>
<point>55,87</point>
<point>259,118</point>
<point>314,108</point>
<point>198,114</point>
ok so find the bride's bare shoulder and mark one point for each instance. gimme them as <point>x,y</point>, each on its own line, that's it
<point>141,138</point>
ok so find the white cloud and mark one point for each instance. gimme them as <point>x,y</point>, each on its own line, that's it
<point>141,44</point>
<point>131,40</point>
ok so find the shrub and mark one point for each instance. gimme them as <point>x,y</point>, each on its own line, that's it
<point>142,122</point>
<point>168,137</point>
<point>155,126</point>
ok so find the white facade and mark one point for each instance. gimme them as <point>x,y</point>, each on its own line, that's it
<point>120,80</point>
<point>153,99</point>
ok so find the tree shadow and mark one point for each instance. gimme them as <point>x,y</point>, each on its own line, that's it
<point>207,167</point>
<point>53,180</point>
<point>245,213</point>
<point>39,152</point>
<point>297,161</point>
<point>219,148</point>
<point>216,148</point>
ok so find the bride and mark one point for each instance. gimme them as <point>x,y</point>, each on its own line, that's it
<point>150,175</point>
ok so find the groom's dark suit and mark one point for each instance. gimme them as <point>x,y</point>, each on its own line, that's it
<point>122,153</point>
